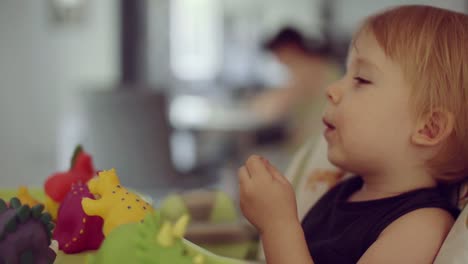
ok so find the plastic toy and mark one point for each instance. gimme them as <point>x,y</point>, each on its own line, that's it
<point>25,234</point>
<point>116,205</point>
<point>216,225</point>
<point>25,197</point>
<point>58,185</point>
<point>154,241</point>
<point>75,231</point>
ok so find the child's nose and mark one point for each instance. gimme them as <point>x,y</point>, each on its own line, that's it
<point>333,92</point>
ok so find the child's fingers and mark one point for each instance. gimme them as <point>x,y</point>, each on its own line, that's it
<point>243,175</point>
<point>275,173</point>
<point>256,168</point>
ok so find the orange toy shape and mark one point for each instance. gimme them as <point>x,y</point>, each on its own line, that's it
<point>26,198</point>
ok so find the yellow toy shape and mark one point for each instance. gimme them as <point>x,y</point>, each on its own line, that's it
<point>116,205</point>
<point>51,206</point>
<point>169,232</point>
<point>25,197</point>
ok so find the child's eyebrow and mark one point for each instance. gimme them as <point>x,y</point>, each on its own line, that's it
<point>359,60</point>
<point>366,63</point>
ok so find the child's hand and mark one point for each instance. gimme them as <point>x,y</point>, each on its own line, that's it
<point>267,198</point>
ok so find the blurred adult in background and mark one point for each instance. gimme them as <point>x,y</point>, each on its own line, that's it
<point>299,100</point>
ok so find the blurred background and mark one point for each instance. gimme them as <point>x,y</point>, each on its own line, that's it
<point>168,92</point>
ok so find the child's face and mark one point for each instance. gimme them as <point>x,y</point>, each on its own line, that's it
<point>368,117</point>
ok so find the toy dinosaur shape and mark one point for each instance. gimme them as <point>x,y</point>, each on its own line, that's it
<point>25,234</point>
<point>116,205</point>
<point>75,231</point>
<point>154,241</point>
<point>58,185</point>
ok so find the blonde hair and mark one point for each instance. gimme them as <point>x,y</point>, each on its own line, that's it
<point>430,45</point>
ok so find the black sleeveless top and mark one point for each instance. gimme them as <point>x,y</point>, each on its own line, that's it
<point>338,231</point>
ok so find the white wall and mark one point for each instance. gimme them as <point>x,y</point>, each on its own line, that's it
<point>274,14</point>
<point>350,13</point>
<point>41,64</point>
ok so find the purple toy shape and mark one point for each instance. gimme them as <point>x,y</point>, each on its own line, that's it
<point>25,234</point>
<point>75,231</point>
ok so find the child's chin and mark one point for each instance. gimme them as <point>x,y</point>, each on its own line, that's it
<point>336,160</point>
<point>341,162</point>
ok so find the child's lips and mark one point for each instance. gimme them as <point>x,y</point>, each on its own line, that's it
<point>328,124</point>
<point>329,127</point>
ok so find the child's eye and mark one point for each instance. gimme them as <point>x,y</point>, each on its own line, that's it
<point>361,81</point>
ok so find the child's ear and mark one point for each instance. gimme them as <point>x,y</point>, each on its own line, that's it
<point>433,128</point>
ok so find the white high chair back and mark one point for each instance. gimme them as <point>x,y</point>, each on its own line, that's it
<point>455,248</point>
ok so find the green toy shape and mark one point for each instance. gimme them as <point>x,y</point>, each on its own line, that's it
<point>154,241</point>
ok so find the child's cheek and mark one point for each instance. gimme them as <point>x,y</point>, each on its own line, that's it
<point>340,119</point>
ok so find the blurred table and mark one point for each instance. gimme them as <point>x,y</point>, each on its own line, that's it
<point>215,114</point>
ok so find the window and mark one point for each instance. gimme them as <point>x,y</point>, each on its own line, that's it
<point>196,39</point>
